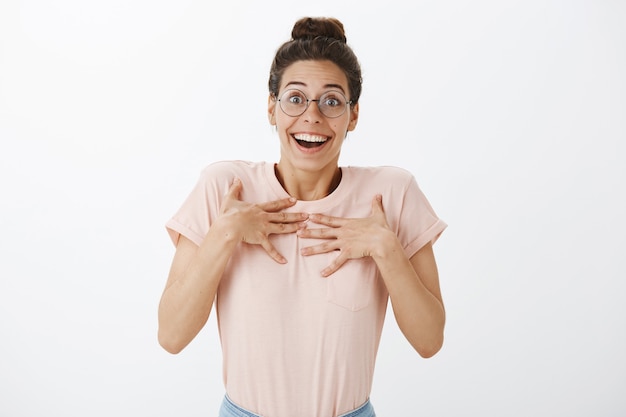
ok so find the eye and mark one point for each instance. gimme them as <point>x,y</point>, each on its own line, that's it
<point>295,97</point>
<point>332,100</point>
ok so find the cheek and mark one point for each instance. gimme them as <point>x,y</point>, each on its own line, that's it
<point>283,124</point>
<point>340,127</point>
<point>280,121</point>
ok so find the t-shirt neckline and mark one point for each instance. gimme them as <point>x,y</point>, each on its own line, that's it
<point>322,204</point>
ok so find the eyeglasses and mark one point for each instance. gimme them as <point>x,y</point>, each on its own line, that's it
<point>331,104</point>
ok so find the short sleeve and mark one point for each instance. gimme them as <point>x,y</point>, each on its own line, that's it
<point>201,206</point>
<point>419,224</point>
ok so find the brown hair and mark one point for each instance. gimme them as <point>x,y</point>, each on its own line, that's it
<point>317,39</point>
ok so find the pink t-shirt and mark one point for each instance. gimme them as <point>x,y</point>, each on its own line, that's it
<point>295,343</point>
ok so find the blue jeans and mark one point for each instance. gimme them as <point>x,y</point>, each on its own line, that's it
<point>230,409</point>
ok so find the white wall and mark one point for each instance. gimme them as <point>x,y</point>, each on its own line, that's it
<point>510,114</point>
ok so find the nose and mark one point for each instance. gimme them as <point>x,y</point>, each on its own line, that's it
<point>312,113</point>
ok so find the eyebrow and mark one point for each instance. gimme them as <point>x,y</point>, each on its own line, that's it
<point>326,86</point>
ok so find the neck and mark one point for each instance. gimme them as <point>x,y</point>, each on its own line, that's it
<point>306,185</point>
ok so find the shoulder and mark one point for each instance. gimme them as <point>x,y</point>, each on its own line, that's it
<point>227,171</point>
<point>390,175</point>
<point>231,167</point>
<point>218,177</point>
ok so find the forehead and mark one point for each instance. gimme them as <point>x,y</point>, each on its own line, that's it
<point>314,76</point>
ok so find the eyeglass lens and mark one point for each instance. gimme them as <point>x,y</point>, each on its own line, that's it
<point>331,104</point>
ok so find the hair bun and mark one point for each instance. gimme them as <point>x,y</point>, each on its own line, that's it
<point>313,27</point>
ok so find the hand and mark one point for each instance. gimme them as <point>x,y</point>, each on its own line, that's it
<point>255,222</point>
<point>353,238</point>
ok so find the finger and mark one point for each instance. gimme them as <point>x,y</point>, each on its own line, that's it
<point>284,228</point>
<point>377,204</point>
<point>277,205</point>
<point>234,189</point>
<point>284,217</point>
<point>321,248</point>
<point>334,265</point>
<point>320,233</point>
<point>272,252</point>
<point>327,220</point>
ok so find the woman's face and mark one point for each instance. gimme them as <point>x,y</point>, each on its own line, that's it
<point>312,141</point>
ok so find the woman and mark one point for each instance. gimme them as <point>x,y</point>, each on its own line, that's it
<point>302,256</point>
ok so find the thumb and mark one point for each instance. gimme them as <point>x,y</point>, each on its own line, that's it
<point>235,189</point>
<point>377,204</point>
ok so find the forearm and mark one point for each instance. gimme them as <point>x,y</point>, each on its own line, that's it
<point>188,298</point>
<point>418,310</point>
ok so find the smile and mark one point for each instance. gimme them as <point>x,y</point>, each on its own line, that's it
<point>310,141</point>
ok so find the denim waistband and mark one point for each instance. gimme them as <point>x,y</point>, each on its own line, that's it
<point>230,409</point>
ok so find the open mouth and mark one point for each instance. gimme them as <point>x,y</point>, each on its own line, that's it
<point>310,141</point>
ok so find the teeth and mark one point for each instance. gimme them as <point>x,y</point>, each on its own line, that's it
<point>310,138</point>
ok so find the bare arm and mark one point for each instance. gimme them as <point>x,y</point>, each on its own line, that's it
<point>413,284</point>
<point>191,286</point>
<point>196,271</point>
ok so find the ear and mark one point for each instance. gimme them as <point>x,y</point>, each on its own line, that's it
<point>271,110</point>
<point>354,117</point>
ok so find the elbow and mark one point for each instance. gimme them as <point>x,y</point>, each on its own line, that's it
<point>170,335</point>
<point>170,343</point>
<point>428,352</point>
<point>430,345</point>
<point>430,349</point>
